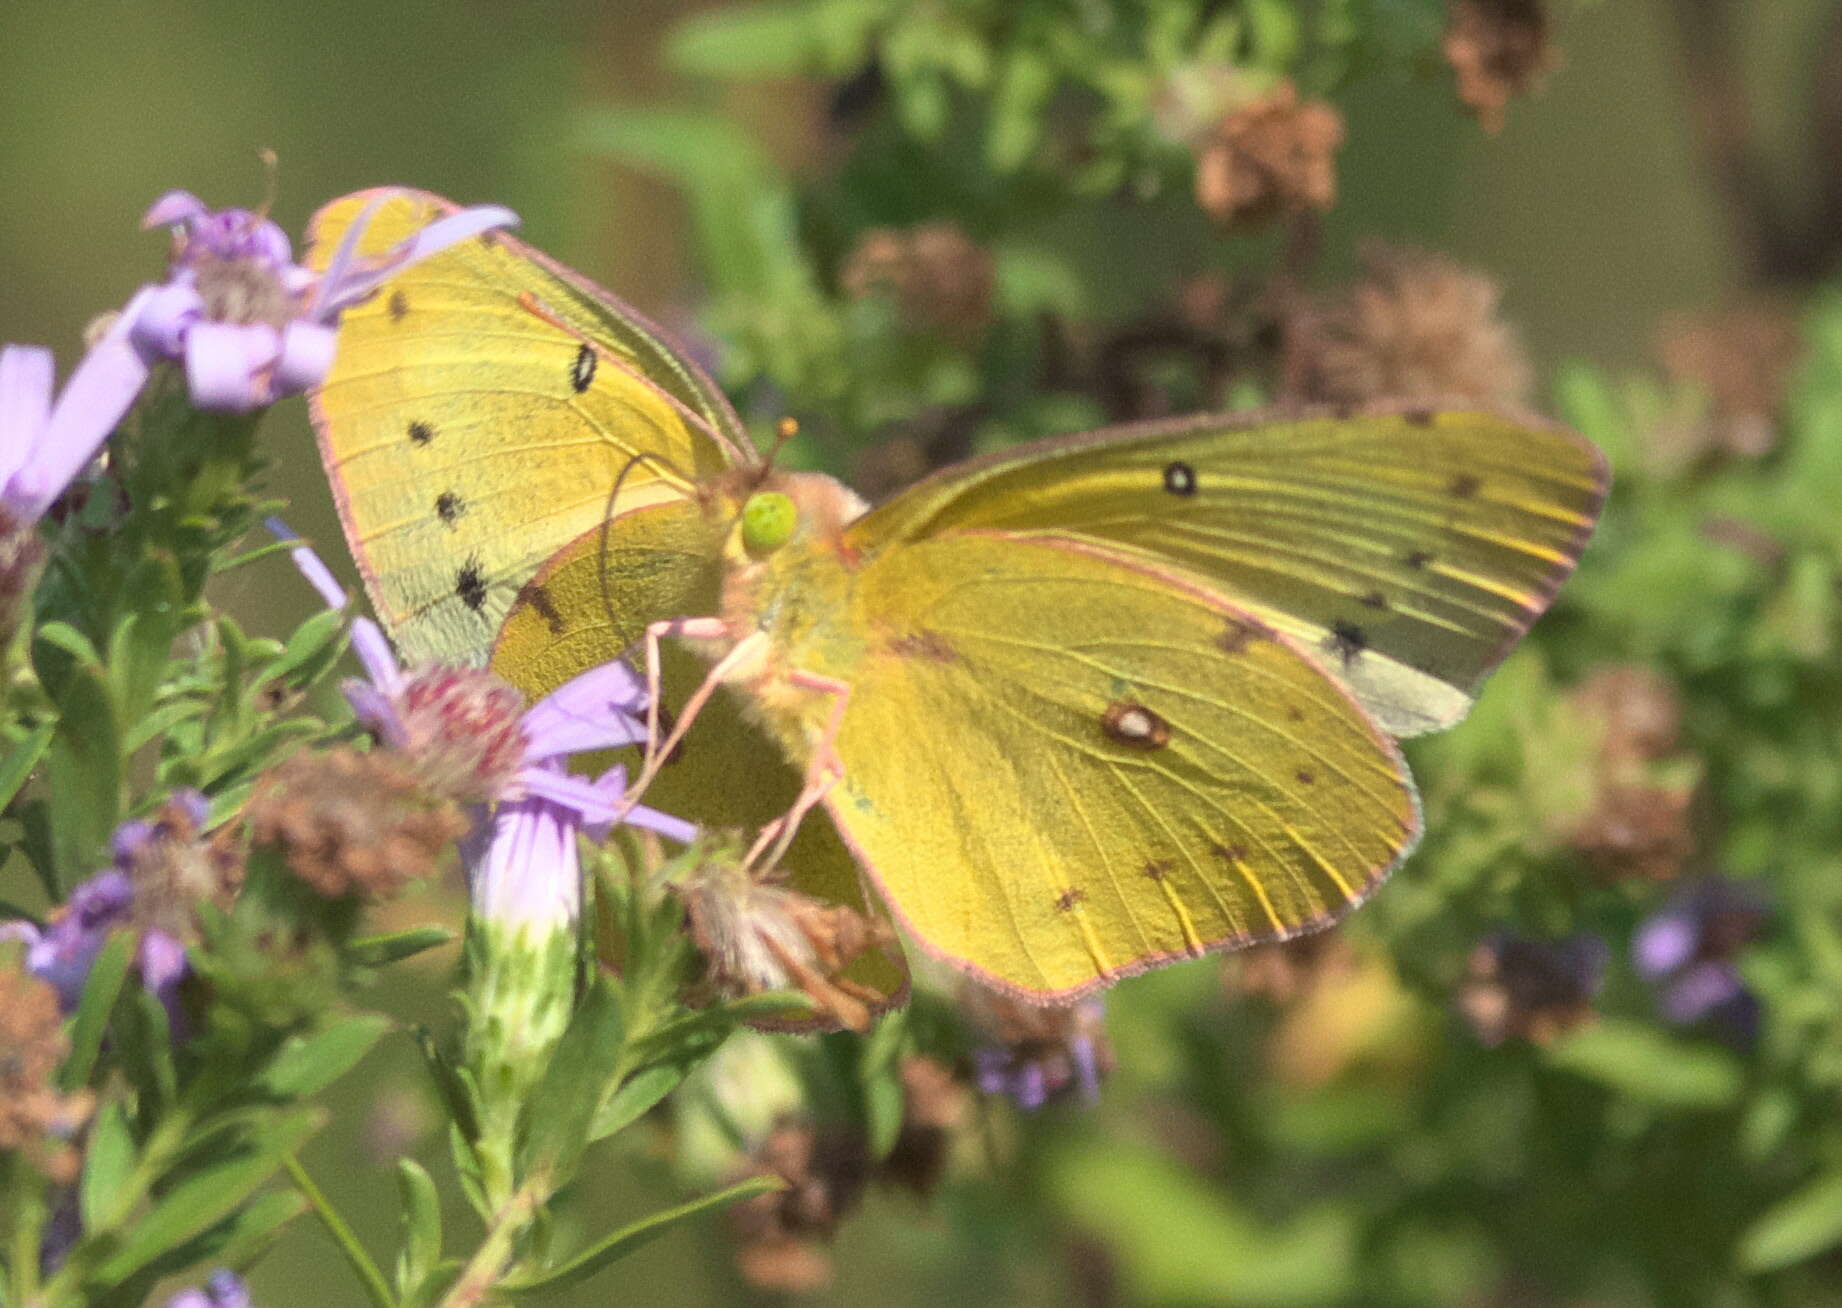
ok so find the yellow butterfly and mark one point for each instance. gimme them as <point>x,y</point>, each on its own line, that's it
<point>1094,704</point>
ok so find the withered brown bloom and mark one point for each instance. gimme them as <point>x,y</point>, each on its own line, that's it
<point>940,277</point>
<point>757,934</point>
<point>35,1119</point>
<point>1414,326</point>
<point>781,1236</point>
<point>1497,49</point>
<point>934,1103</point>
<point>1272,156</point>
<point>350,822</point>
<point>1640,823</point>
<point>1282,972</point>
<point>1741,359</point>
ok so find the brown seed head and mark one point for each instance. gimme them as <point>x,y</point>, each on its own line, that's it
<point>1741,359</point>
<point>934,1103</point>
<point>35,1119</point>
<point>1497,49</point>
<point>780,1236</point>
<point>349,822</point>
<point>1272,156</point>
<point>940,277</point>
<point>1638,709</point>
<point>1415,326</point>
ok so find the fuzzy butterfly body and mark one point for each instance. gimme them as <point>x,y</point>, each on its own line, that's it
<point>1096,704</point>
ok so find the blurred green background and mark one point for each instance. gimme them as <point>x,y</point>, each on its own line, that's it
<point>1590,208</point>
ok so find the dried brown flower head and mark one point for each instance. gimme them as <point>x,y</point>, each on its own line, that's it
<point>781,1236</point>
<point>1271,156</point>
<point>758,935</point>
<point>1639,712</point>
<point>940,277</point>
<point>1741,358</point>
<point>1287,970</point>
<point>1497,49</point>
<point>934,1103</point>
<point>350,822</point>
<point>1640,831</point>
<point>1534,990</point>
<point>1414,326</point>
<point>1641,820</point>
<point>174,866</point>
<point>35,1119</point>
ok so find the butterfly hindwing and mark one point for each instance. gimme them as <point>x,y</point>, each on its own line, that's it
<point>1408,550</point>
<point>471,429</point>
<point>1061,768</point>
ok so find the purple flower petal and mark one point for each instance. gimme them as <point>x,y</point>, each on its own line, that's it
<point>651,819</point>
<point>1664,943</point>
<point>530,873</point>
<point>65,951</point>
<point>374,656</point>
<point>87,410</point>
<point>355,282</point>
<point>1699,991</point>
<point>376,711</point>
<point>172,208</point>
<point>27,376</point>
<point>307,350</point>
<point>165,316</point>
<point>310,565</point>
<point>579,795</point>
<point>596,710</point>
<point>222,361</point>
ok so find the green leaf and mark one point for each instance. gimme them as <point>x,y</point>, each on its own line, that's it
<point>1180,1239</point>
<point>1804,1223</point>
<point>556,1120</point>
<point>206,1197</point>
<point>394,947</point>
<point>746,41</point>
<point>107,1163</point>
<point>421,1226</point>
<point>1647,1064</point>
<point>306,1065</point>
<point>91,1020</point>
<point>628,1238</point>
<point>23,757</point>
<point>83,773</point>
<point>638,1095</point>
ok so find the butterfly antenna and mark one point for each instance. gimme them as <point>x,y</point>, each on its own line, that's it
<point>607,517</point>
<point>784,431</point>
<point>691,416</point>
<point>271,190</point>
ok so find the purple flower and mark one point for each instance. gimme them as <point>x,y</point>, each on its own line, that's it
<point>249,324</point>
<point>1041,1054</point>
<point>130,895</point>
<point>1686,949</point>
<point>223,1290</point>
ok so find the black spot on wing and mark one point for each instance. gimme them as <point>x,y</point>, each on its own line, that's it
<point>1419,417</point>
<point>398,306</point>
<point>1069,898</point>
<point>582,369</point>
<point>1180,479</point>
<point>1418,558</point>
<point>1134,725</point>
<point>1464,486</point>
<point>1346,640</point>
<point>449,507</point>
<point>470,585</point>
<point>1375,600</point>
<point>420,433</point>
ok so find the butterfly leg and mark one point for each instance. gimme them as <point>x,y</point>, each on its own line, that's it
<point>825,771</point>
<point>658,751</point>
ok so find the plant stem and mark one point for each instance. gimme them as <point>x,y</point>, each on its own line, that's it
<point>491,1261</point>
<point>336,1226</point>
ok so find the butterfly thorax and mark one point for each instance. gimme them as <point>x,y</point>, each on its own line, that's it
<point>782,595</point>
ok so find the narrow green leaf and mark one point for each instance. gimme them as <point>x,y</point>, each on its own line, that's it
<point>22,758</point>
<point>377,951</point>
<point>629,1238</point>
<point>205,1198</point>
<point>1805,1223</point>
<point>1647,1064</point>
<point>100,992</point>
<point>421,1226</point>
<point>638,1095</point>
<point>556,1121</point>
<point>306,1065</point>
<point>107,1162</point>
<point>83,773</point>
<point>341,1231</point>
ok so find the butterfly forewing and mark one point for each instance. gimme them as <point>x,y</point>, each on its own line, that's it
<point>1061,769</point>
<point>1407,550</point>
<point>482,406</point>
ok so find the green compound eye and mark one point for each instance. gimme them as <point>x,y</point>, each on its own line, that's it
<point>768,520</point>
